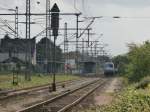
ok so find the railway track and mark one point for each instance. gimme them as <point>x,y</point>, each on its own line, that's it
<point>66,101</point>
<point>13,93</point>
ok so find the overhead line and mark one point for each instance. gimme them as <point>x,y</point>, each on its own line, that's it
<point>38,14</point>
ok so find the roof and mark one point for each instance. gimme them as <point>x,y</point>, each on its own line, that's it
<point>16,45</point>
<point>14,60</point>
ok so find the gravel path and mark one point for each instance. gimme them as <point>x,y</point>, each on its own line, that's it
<point>102,96</point>
<point>106,96</point>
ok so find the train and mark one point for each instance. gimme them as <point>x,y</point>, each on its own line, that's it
<point>109,69</point>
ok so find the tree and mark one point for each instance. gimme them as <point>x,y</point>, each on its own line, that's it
<point>120,63</point>
<point>139,58</point>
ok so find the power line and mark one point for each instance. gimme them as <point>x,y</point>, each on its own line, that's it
<point>3,8</point>
<point>75,5</point>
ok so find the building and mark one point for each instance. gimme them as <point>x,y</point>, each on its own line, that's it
<point>80,63</point>
<point>45,55</point>
<point>22,50</point>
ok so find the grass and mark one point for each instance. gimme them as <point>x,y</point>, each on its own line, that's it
<point>130,99</point>
<point>6,81</point>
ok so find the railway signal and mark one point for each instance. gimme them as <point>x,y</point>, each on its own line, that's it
<point>54,26</point>
<point>55,19</point>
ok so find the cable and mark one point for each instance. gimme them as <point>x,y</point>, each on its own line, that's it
<point>125,17</point>
<point>8,25</point>
<point>84,8</point>
<point>3,8</point>
<point>7,31</point>
<point>87,27</point>
<point>75,6</point>
<point>69,38</point>
<point>83,5</point>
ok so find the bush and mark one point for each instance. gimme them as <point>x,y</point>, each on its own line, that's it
<point>143,84</point>
<point>128,101</point>
<point>139,62</point>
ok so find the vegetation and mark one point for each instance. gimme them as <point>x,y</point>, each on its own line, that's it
<point>143,84</point>
<point>130,100</point>
<point>120,63</point>
<point>135,64</point>
<point>6,81</point>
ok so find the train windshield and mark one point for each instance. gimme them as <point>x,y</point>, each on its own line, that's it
<point>109,65</point>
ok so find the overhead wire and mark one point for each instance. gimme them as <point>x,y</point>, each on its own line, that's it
<point>75,6</point>
<point>8,25</point>
<point>69,38</point>
<point>7,32</point>
<point>3,8</point>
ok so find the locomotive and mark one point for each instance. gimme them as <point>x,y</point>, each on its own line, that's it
<point>109,69</point>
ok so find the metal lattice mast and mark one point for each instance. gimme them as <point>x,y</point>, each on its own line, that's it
<point>28,12</point>
<point>95,55</point>
<point>83,49</point>
<point>15,74</point>
<point>16,23</point>
<point>77,39</point>
<point>46,41</point>
<point>48,34</point>
<point>28,48</point>
<point>66,55</point>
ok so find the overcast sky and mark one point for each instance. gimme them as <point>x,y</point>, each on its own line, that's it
<point>133,27</point>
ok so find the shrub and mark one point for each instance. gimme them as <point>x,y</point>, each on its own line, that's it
<point>130,100</point>
<point>143,83</point>
<point>139,62</point>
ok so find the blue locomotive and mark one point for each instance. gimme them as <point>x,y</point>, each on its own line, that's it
<point>109,69</point>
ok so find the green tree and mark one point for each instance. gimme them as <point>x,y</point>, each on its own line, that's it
<point>120,63</point>
<point>139,58</point>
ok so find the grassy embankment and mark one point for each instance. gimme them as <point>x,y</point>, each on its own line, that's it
<point>6,81</point>
<point>133,98</point>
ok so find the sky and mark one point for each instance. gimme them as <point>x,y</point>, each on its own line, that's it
<point>133,26</point>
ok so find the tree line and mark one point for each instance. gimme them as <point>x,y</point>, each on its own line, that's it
<point>135,64</point>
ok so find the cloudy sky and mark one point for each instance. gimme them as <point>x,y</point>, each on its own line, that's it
<point>133,26</point>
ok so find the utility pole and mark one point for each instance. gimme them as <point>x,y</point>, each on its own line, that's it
<point>92,51</point>
<point>66,55</point>
<point>28,48</point>
<point>50,45</point>
<point>96,58</point>
<point>48,33</point>
<point>77,38</point>
<point>15,75</point>
<point>83,54</point>
<point>88,37</point>
<point>16,22</point>
<point>83,49</point>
